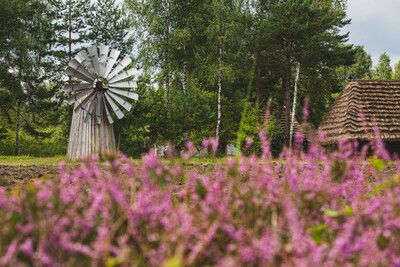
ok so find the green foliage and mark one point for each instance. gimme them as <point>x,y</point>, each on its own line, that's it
<point>275,135</point>
<point>331,213</point>
<point>188,50</point>
<point>384,186</point>
<point>109,24</point>
<point>33,146</point>
<point>378,164</point>
<point>305,32</point>
<point>318,232</point>
<point>360,69</point>
<point>25,65</point>
<point>250,125</point>
<point>191,112</point>
<point>70,19</point>
<point>151,122</point>
<point>254,122</point>
<point>396,71</point>
<point>383,71</point>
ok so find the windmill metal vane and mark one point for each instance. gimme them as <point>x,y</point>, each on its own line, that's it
<point>104,82</point>
<point>105,87</point>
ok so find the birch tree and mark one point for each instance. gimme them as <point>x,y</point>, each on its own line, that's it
<point>383,70</point>
<point>296,82</point>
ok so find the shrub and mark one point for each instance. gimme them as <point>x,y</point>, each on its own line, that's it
<point>308,209</point>
<point>31,146</point>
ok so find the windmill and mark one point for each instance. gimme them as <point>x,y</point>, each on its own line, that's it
<point>103,89</point>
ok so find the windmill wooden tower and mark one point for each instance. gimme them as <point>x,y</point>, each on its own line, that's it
<point>104,85</point>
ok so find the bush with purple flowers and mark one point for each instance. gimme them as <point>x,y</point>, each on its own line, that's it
<point>305,209</point>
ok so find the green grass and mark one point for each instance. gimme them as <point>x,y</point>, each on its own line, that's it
<point>28,160</point>
<point>202,160</point>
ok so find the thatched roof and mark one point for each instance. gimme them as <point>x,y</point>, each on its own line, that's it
<point>377,101</point>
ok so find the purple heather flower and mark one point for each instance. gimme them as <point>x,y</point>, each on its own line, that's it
<point>248,142</point>
<point>3,200</point>
<point>299,138</point>
<point>45,192</point>
<point>27,247</point>
<point>9,253</point>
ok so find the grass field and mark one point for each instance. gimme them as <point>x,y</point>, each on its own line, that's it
<point>27,160</point>
<point>40,161</point>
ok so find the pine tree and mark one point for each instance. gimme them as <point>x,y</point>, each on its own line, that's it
<point>70,26</point>
<point>307,32</point>
<point>25,65</point>
<point>110,25</point>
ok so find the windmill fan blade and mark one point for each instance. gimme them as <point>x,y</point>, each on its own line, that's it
<point>79,68</point>
<point>111,61</point>
<point>103,84</point>
<point>110,120</point>
<point>121,65</point>
<point>95,59</point>
<point>128,84</point>
<point>83,104</point>
<point>129,94</point>
<point>84,59</point>
<point>71,72</point>
<point>78,96</point>
<point>103,59</point>
<point>124,75</point>
<point>76,87</point>
<point>120,101</point>
<point>114,106</point>
<point>99,107</point>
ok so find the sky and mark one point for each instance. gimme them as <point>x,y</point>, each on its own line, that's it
<point>376,25</point>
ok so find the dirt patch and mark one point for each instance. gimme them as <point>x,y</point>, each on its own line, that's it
<point>13,175</point>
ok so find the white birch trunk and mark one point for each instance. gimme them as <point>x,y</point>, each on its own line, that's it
<point>17,127</point>
<point>219,93</point>
<point>184,74</point>
<point>184,85</point>
<point>294,103</point>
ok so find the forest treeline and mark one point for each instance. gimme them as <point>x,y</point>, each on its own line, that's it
<point>209,67</point>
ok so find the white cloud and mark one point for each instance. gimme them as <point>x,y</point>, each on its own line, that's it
<point>375,24</point>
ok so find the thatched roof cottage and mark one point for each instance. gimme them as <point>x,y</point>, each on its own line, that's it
<point>361,105</point>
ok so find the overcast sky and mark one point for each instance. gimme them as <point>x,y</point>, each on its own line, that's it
<point>376,25</point>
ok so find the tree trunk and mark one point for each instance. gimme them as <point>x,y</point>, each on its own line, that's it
<point>184,85</point>
<point>184,74</point>
<point>258,92</point>
<point>17,127</point>
<point>219,92</point>
<point>69,35</point>
<point>286,94</point>
<point>166,56</point>
<point>294,103</point>
<point>69,44</point>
